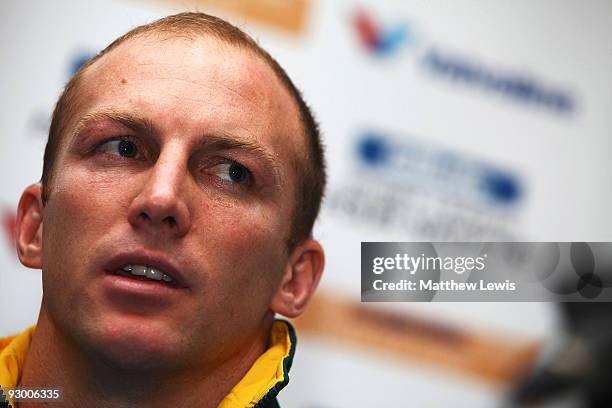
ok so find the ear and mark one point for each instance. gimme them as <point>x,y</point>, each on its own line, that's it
<point>300,279</point>
<point>29,227</point>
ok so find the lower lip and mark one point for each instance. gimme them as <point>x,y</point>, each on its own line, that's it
<point>137,292</point>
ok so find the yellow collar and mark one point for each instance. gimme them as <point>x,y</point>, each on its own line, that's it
<point>13,351</point>
<point>270,372</point>
<point>268,375</point>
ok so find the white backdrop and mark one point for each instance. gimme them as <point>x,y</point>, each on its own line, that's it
<point>461,120</point>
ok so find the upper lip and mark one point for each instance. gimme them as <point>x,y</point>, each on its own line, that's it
<point>146,258</point>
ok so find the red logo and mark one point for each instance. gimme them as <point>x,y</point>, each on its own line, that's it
<point>9,224</point>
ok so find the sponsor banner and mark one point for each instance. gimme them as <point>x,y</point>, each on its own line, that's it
<point>287,15</point>
<point>408,336</point>
<point>462,68</point>
<point>407,163</point>
<point>486,271</point>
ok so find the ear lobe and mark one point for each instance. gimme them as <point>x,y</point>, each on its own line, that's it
<point>29,227</point>
<point>300,279</point>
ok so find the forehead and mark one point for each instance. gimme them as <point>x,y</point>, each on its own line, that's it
<point>193,84</point>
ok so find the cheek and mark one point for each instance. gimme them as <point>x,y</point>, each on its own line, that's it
<point>247,243</point>
<point>90,187</point>
<point>77,214</point>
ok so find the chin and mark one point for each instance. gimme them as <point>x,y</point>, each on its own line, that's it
<point>135,347</point>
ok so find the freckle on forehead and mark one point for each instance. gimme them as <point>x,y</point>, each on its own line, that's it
<point>123,81</point>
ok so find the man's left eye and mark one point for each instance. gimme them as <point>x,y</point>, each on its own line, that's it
<point>123,148</point>
<point>233,172</point>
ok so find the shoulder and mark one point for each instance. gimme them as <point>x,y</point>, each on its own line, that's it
<point>4,341</point>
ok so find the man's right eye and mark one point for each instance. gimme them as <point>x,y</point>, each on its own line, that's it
<point>123,148</point>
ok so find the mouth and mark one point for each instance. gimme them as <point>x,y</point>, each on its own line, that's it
<point>145,272</point>
<point>146,267</point>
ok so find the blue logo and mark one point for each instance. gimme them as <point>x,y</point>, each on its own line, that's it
<point>373,150</point>
<point>515,86</point>
<point>407,163</point>
<point>78,60</point>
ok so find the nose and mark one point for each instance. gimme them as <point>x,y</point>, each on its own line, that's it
<point>161,202</point>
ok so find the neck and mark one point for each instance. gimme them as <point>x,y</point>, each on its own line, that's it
<point>54,361</point>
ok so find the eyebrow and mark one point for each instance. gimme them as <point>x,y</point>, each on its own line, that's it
<point>134,123</point>
<point>211,142</point>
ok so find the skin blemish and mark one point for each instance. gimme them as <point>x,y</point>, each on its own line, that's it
<point>123,81</point>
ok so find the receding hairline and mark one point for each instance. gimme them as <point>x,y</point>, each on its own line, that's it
<point>71,118</point>
<point>79,80</point>
<point>257,53</point>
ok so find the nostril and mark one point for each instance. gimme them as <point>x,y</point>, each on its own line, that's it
<point>171,221</point>
<point>170,216</point>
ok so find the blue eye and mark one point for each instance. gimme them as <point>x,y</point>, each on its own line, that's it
<point>123,148</point>
<point>233,172</point>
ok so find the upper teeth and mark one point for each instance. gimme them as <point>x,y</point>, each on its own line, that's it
<point>147,272</point>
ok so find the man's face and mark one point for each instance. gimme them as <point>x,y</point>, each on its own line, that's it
<point>177,156</point>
